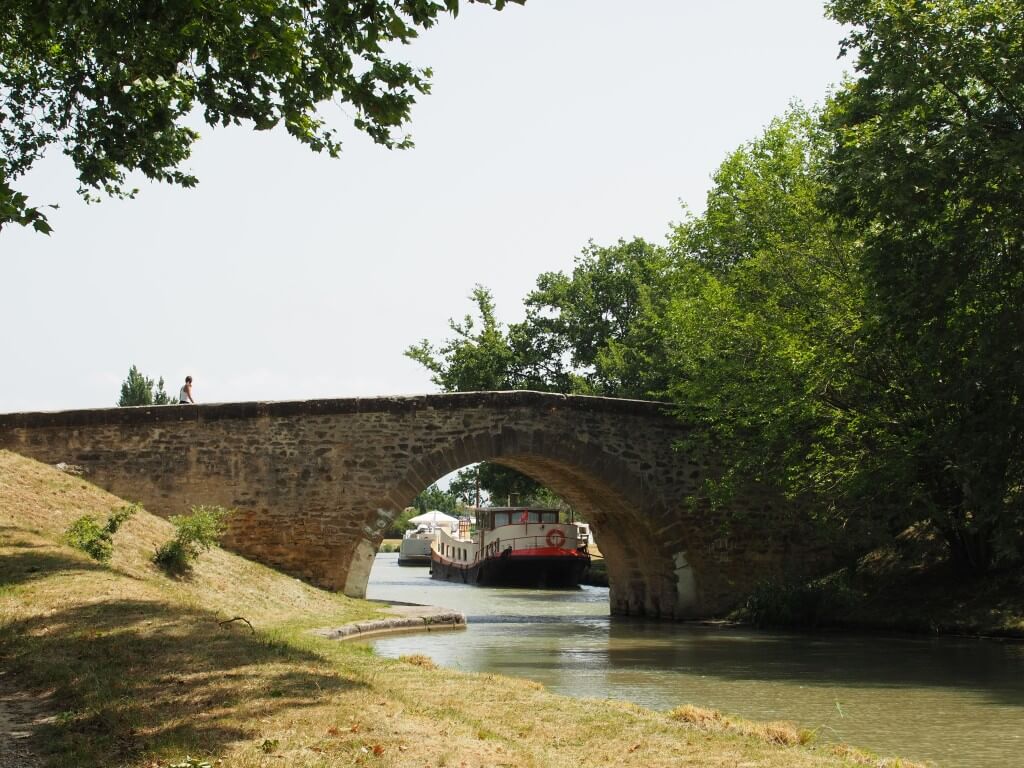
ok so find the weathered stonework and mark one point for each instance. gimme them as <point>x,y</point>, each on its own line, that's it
<point>316,483</point>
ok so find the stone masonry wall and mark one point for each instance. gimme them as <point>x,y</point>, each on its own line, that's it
<point>316,483</point>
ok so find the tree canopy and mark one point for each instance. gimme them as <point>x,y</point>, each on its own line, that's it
<point>112,83</point>
<point>761,333</point>
<point>844,322</point>
<point>928,166</point>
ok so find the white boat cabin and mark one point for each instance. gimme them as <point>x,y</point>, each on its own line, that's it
<point>512,531</point>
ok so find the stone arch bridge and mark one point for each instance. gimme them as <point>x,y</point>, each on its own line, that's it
<point>316,482</point>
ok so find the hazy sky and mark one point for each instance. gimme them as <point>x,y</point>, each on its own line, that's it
<point>288,275</point>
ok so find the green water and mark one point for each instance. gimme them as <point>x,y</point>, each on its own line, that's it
<point>957,702</point>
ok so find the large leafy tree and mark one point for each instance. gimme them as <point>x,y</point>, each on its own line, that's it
<point>113,82</point>
<point>482,356</point>
<point>593,331</point>
<point>478,358</point>
<point>498,485</point>
<point>587,333</point>
<point>929,167</point>
<point>433,497</point>
<point>762,332</point>
<point>593,327</point>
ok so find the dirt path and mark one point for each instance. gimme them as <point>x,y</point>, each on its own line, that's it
<point>20,713</point>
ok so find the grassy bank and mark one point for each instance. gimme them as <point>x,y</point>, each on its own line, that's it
<point>135,669</point>
<point>909,585</point>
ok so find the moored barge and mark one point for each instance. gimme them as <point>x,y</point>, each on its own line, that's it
<point>513,546</point>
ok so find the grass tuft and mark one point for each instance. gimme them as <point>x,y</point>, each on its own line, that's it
<point>419,660</point>
<point>712,721</point>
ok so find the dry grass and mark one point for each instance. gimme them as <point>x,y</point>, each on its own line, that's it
<point>781,733</point>
<point>36,499</point>
<point>860,757</point>
<point>139,672</point>
<point>419,660</point>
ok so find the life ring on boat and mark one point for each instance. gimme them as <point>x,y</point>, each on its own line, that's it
<point>555,538</point>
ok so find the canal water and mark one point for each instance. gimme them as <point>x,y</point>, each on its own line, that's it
<point>956,702</point>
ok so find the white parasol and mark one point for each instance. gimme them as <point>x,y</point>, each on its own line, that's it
<point>433,517</point>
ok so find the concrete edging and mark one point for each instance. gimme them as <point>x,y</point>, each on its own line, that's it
<point>409,618</point>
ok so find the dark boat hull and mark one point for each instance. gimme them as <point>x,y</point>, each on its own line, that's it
<point>415,560</point>
<point>533,571</point>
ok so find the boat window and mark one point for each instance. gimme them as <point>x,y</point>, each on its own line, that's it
<point>549,517</point>
<point>535,517</point>
<point>501,518</point>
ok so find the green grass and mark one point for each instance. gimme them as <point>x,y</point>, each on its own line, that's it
<point>139,670</point>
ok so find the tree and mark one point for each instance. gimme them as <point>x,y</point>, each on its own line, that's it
<point>113,83</point>
<point>492,483</point>
<point>482,357</point>
<point>928,165</point>
<point>763,329</point>
<point>591,332</point>
<point>160,396</point>
<point>479,358</point>
<point>588,333</point>
<point>750,321</point>
<point>433,497</point>
<point>138,390</point>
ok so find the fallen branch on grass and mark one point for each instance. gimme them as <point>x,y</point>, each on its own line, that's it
<point>238,618</point>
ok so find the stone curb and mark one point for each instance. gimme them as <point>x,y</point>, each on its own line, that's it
<point>431,619</point>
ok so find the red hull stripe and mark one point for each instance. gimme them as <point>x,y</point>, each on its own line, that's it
<point>516,555</point>
<point>546,552</point>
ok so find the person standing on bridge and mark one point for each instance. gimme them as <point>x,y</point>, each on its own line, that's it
<point>185,395</point>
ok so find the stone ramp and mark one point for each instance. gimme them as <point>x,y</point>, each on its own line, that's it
<point>406,617</point>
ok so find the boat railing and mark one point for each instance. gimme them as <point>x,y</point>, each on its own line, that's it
<point>538,541</point>
<point>451,547</point>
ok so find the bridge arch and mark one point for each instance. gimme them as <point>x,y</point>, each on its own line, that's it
<point>644,569</point>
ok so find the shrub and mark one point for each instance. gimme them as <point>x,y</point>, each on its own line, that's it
<point>90,537</point>
<point>799,604</point>
<point>172,557</point>
<point>195,534</point>
<point>97,540</point>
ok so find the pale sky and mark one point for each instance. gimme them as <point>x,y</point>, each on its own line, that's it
<point>288,275</point>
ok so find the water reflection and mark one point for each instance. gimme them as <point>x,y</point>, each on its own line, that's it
<point>959,702</point>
